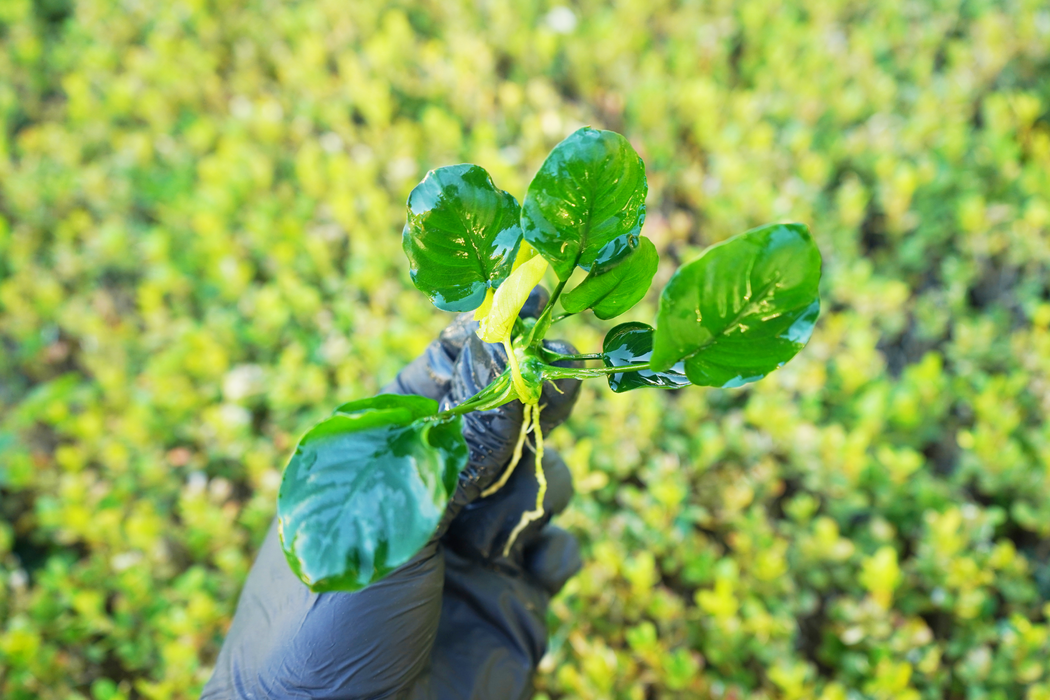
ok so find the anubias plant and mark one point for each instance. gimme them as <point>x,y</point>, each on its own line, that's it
<point>366,488</point>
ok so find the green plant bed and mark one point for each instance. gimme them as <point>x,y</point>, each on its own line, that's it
<point>200,255</point>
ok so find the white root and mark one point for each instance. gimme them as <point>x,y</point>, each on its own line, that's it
<point>541,479</point>
<point>525,425</point>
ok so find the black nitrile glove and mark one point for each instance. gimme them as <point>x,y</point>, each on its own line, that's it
<point>460,620</point>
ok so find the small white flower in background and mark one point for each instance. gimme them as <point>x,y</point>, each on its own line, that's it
<point>272,111</point>
<point>243,381</point>
<point>270,480</point>
<point>220,489</point>
<point>335,349</point>
<point>511,155</point>
<point>196,482</point>
<point>361,153</point>
<point>552,125</point>
<point>561,20</point>
<point>241,107</point>
<point>401,169</point>
<point>234,416</point>
<point>18,579</point>
<point>331,142</point>
<point>125,560</point>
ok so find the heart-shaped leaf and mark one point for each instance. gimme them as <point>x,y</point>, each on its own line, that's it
<point>632,344</point>
<point>461,236</point>
<point>590,190</point>
<point>615,289</point>
<point>742,309</point>
<point>365,490</point>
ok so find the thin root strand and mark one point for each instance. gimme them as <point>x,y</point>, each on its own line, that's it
<point>541,480</point>
<point>525,427</point>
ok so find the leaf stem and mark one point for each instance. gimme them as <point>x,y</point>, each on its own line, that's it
<point>559,357</point>
<point>544,320</point>
<point>555,294</point>
<point>512,359</point>
<point>499,392</point>
<point>550,372</point>
<point>562,317</point>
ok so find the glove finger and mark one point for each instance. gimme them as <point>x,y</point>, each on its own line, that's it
<point>482,529</point>
<point>553,558</point>
<point>533,306</point>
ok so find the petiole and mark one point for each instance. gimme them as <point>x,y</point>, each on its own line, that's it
<point>559,357</point>
<point>550,372</point>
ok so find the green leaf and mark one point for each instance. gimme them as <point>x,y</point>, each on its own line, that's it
<point>614,252</point>
<point>409,406</point>
<point>365,490</point>
<point>589,191</point>
<point>741,310</point>
<point>611,290</point>
<point>632,344</point>
<point>461,236</point>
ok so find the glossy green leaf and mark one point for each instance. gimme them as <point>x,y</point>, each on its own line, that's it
<point>365,490</point>
<point>461,236</point>
<point>741,310</point>
<point>616,288</point>
<point>632,344</point>
<point>589,191</point>
<point>615,252</point>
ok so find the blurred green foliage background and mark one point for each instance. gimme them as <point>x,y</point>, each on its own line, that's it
<point>200,215</point>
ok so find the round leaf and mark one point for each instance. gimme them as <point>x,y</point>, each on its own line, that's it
<point>365,490</point>
<point>609,291</point>
<point>741,310</point>
<point>461,236</point>
<point>632,344</point>
<point>589,191</point>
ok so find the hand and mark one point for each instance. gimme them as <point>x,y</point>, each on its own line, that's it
<point>464,618</point>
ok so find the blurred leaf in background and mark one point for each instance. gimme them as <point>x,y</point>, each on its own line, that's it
<point>200,216</point>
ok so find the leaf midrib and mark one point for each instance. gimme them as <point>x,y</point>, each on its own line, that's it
<point>473,244</point>
<point>586,233</point>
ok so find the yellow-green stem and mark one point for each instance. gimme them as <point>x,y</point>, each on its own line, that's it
<point>515,371</point>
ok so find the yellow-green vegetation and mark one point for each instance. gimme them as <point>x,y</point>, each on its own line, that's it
<point>200,256</point>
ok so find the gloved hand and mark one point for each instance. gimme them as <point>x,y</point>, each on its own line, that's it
<point>460,620</point>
